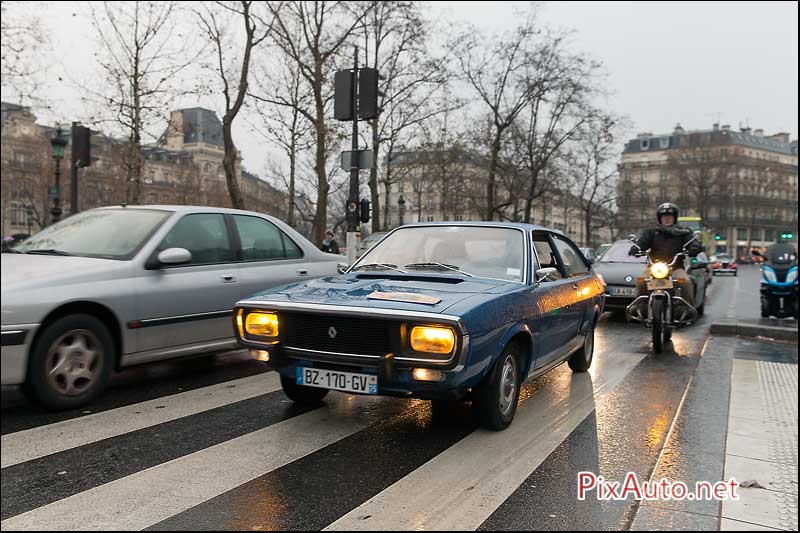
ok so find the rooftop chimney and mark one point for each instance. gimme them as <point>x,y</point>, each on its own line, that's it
<point>679,129</point>
<point>726,127</point>
<point>782,137</point>
<point>758,133</point>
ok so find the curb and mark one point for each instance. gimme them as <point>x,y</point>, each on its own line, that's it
<point>733,327</point>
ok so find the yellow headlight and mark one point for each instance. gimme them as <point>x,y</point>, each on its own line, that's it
<point>659,270</point>
<point>432,339</point>
<point>261,324</point>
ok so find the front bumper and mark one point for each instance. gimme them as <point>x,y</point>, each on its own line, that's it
<point>725,270</point>
<point>16,343</point>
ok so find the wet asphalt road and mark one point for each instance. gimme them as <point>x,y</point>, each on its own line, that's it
<point>376,462</point>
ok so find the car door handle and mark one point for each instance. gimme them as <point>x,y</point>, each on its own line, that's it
<point>227,278</point>
<point>575,286</point>
<point>302,272</point>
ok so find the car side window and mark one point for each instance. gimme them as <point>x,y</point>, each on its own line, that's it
<point>204,235</point>
<point>574,264</point>
<point>547,258</point>
<point>261,240</point>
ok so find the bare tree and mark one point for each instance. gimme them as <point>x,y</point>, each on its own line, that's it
<point>312,34</point>
<point>143,52</point>
<point>22,39</point>
<point>592,169</point>
<point>501,73</point>
<point>213,20</point>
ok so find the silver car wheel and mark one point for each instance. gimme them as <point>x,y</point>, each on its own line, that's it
<point>74,362</point>
<point>508,384</point>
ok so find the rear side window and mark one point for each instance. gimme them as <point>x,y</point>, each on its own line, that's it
<point>547,258</point>
<point>574,264</point>
<point>204,235</point>
<point>262,241</point>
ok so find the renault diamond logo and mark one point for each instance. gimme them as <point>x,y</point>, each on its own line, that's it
<point>628,279</point>
<point>332,332</point>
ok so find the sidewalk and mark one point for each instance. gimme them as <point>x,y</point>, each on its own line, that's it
<point>737,419</point>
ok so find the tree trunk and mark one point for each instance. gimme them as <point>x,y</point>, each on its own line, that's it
<point>531,192</point>
<point>229,163</point>
<point>388,183</point>
<point>321,215</point>
<point>373,178</point>
<point>490,186</point>
<point>292,164</point>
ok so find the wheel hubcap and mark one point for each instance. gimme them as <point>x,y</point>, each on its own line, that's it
<point>508,385</point>
<point>74,362</point>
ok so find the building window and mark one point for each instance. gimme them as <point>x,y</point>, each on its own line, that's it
<point>23,160</point>
<point>756,234</point>
<point>430,218</point>
<point>664,142</point>
<point>741,234</point>
<point>645,144</point>
<point>768,235</point>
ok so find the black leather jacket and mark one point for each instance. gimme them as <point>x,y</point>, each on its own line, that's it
<point>666,241</point>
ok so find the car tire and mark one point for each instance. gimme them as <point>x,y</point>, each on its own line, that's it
<point>71,362</point>
<point>660,330</point>
<point>581,360</point>
<point>495,399</point>
<point>702,309</point>
<point>302,394</point>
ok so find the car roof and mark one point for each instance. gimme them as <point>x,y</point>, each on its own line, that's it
<point>185,209</point>
<point>474,223</point>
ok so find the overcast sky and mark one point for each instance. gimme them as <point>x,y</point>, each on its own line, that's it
<point>668,62</point>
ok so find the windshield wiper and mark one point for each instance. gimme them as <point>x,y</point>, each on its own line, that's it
<point>379,266</point>
<point>48,251</point>
<point>440,265</point>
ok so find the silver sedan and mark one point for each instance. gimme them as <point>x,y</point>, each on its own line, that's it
<point>118,286</point>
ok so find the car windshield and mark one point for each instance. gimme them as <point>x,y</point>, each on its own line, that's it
<point>723,257</point>
<point>102,233</point>
<point>618,253</point>
<point>490,252</point>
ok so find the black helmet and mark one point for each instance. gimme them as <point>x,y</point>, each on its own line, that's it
<point>667,209</point>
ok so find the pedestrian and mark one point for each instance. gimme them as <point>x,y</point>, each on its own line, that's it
<point>329,245</point>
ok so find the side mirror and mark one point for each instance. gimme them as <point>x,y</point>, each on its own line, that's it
<point>756,253</point>
<point>174,256</point>
<point>631,237</point>
<point>341,268</point>
<point>544,274</point>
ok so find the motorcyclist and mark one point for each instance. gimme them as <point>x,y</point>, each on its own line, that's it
<point>664,242</point>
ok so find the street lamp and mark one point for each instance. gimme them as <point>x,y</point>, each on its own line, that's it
<point>401,205</point>
<point>58,143</point>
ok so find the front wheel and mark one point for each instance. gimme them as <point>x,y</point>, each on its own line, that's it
<point>71,362</point>
<point>660,329</point>
<point>301,393</point>
<point>495,402</point>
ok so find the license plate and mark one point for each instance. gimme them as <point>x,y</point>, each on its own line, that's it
<point>333,379</point>
<point>657,284</point>
<point>623,291</point>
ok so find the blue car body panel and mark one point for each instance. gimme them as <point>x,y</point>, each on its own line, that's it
<point>547,320</point>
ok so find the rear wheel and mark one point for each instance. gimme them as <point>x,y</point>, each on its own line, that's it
<point>702,309</point>
<point>660,330</point>
<point>764,308</point>
<point>301,393</point>
<point>581,360</point>
<point>71,362</point>
<point>495,402</point>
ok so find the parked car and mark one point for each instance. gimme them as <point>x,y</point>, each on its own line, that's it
<point>620,272</point>
<point>370,241</point>
<point>117,286</point>
<point>589,254</point>
<point>724,264</point>
<point>443,312</point>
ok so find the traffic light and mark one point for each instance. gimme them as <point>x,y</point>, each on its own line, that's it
<point>787,235</point>
<point>82,146</point>
<point>364,211</point>
<point>368,93</point>
<point>343,95</point>
<point>717,237</point>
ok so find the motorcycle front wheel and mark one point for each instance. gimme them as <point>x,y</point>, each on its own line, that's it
<point>660,329</point>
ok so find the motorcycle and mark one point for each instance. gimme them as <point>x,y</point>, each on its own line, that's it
<point>663,308</point>
<point>778,282</point>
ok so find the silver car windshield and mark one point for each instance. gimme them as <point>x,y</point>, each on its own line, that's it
<point>618,253</point>
<point>102,233</point>
<point>489,252</point>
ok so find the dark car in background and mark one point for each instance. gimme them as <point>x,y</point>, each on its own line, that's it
<point>619,272</point>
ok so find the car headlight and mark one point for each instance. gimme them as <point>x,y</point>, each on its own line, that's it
<point>261,324</point>
<point>659,270</point>
<point>792,276</point>
<point>432,339</point>
<point>769,274</point>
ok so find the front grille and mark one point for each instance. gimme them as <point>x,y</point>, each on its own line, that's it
<point>354,335</point>
<point>781,274</point>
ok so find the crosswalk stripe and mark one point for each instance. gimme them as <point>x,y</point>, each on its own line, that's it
<point>460,488</point>
<point>150,496</point>
<point>45,440</point>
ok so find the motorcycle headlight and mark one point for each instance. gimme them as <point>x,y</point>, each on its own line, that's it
<point>770,276</point>
<point>659,270</point>
<point>792,276</point>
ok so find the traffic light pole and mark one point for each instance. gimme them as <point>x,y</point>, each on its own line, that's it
<point>73,190</point>
<point>353,234</point>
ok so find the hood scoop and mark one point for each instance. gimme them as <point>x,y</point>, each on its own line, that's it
<point>411,277</point>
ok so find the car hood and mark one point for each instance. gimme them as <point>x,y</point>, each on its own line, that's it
<point>616,273</point>
<point>353,290</point>
<point>24,271</point>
